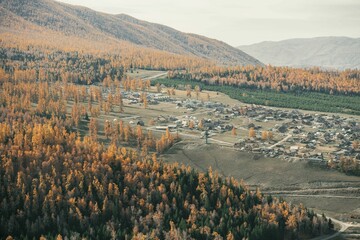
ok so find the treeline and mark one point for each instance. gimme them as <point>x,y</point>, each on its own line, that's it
<point>281,79</point>
<point>71,67</point>
<point>118,57</point>
<point>37,64</point>
<point>348,165</point>
<point>314,101</point>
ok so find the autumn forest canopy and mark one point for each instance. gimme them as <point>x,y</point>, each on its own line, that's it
<point>56,182</point>
<point>310,89</point>
<point>64,175</point>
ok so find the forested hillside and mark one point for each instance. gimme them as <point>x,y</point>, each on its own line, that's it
<point>65,24</point>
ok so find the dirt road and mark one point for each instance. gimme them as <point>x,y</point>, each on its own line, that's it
<point>285,139</point>
<point>343,227</point>
<point>156,76</point>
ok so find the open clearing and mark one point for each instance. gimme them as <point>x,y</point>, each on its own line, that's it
<point>327,191</point>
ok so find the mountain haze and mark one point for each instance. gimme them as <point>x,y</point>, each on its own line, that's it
<point>82,22</point>
<point>326,52</point>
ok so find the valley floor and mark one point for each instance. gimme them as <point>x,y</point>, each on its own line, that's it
<point>325,191</point>
<point>330,192</point>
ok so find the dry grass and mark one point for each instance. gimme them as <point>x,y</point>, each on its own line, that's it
<point>272,174</point>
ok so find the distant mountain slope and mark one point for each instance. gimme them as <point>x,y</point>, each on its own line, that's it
<point>326,52</point>
<point>85,23</point>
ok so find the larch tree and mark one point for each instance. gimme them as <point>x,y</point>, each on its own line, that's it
<point>233,131</point>
<point>139,133</point>
<point>264,135</point>
<point>93,128</point>
<point>355,145</point>
<point>270,135</point>
<point>191,124</point>
<point>107,129</point>
<point>75,114</point>
<point>121,103</point>
<point>252,133</point>
<point>201,125</point>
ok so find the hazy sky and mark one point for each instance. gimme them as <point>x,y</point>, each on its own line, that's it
<point>239,22</point>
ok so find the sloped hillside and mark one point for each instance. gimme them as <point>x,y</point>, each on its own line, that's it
<point>86,23</point>
<point>326,52</point>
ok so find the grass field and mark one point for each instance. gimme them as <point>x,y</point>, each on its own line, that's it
<point>295,181</point>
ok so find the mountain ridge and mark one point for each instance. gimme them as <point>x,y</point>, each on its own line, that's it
<point>84,22</point>
<point>330,52</point>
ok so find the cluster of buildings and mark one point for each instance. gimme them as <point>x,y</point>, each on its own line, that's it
<point>316,138</point>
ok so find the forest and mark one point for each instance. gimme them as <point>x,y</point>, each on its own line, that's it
<point>306,100</point>
<point>56,182</point>
<point>282,79</point>
<point>309,89</point>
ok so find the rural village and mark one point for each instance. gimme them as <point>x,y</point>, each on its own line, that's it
<point>292,135</point>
